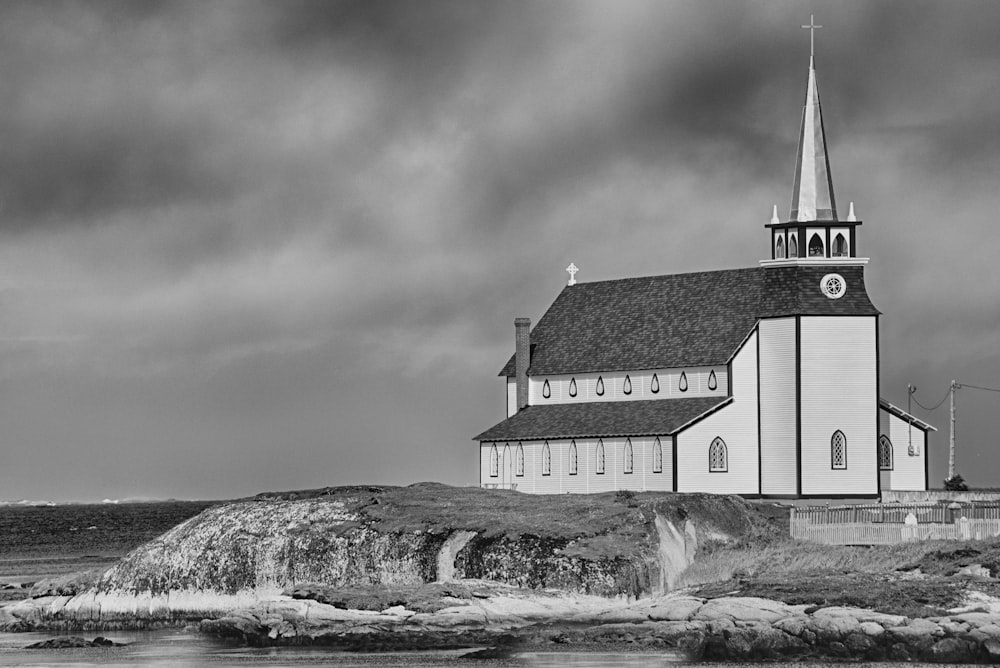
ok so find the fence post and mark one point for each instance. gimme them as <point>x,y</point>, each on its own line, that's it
<point>963,528</point>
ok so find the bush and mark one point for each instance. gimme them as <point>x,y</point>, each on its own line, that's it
<point>956,484</point>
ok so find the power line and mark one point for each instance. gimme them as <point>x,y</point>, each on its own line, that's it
<point>977,387</point>
<point>957,386</point>
<point>936,406</point>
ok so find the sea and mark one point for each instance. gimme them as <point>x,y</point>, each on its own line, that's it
<point>41,540</point>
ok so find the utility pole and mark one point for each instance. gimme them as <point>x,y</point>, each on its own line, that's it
<point>910,389</point>
<point>951,440</point>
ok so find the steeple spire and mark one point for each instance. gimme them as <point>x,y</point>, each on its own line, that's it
<point>812,194</point>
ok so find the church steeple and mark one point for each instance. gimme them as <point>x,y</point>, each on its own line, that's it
<point>813,233</point>
<point>812,194</point>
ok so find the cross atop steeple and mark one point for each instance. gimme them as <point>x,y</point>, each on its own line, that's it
<point>812,27</point>
<point>572,269</point>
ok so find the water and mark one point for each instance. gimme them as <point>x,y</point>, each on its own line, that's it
<point>184,649</point>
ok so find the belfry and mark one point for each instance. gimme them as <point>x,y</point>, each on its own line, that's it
<point>761,381</point>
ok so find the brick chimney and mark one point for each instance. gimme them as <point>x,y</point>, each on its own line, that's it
<point>522,358</point>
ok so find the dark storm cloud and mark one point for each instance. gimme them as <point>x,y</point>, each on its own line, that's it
<point>266,223</point>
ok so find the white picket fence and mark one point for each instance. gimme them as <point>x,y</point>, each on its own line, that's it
<point>874,526</point>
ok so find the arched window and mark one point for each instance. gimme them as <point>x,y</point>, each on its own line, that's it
<point>657,456</point>
<point>793,247</point>
<point>627,385</point>
<point>546,459</point>
<point>718,456</point>
<point>713,382</point>
<point>572,458</point>
<point>600,386</point>
<point>627,468</point>
<point>839,246</point>
<point>815,246</point>
<point>599,458</point>
<point>494,461</point>
<point>519,461</point>
<point>682,384</point>
<point>654,385</point>
<point>838,450</point>
<point>546,389</point>
<point>572,387</point>
<point>780,248</point>
<point>884,453</point>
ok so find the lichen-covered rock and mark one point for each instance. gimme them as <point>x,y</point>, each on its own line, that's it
<point>264,546</point>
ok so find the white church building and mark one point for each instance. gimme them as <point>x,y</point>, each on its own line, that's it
<point>762,381</point>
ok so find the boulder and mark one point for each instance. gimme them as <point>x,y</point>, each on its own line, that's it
<point>829,628</point>
<point>861,614</point>
<point>71,642</point>
<point>745,608</point>
<point>952,650</point>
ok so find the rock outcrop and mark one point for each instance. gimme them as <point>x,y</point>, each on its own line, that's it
<point>732,629</point>
<point>232,556</point>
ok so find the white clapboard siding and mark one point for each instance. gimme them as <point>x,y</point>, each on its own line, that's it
<point>907,472</point>
<point>736,424</point>
<point>586,480</point>
<point>777,406</point>
<point>838,376</point>
<point>614,383</point>
<point>511,397</point>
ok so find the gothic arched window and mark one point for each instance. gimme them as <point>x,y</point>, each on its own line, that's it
<point>793,247</point>
<point>494,461</point>
<point>600,386</point>
<point>682,384</point>
<point>519,461</point>
<point>713,382</point>
<point>839,246</point>
<point>654,385</point>
<point>546,389</point>
<point>546,459</point>
<point>718,456</point>
<point>657,456</point>
<point>838,450</point>
<point>627,385</point>
<point>627,468</point>
<point>815,246</point>
<point>572,387</point>
<point>599,458</point>
<point>572,458</point>
<point>780,248</point>
<point>884,453</point>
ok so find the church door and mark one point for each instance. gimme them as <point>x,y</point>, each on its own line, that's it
<point>507,468</point>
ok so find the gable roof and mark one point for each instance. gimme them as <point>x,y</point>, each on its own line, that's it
<point>603,419</point>
<point>903,415</point>
<point>678,320</point>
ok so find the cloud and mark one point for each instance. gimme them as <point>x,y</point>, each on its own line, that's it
<point>276,209</point>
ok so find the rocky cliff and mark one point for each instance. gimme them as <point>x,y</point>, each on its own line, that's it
<point>353,536</point>
<point>230,556</point>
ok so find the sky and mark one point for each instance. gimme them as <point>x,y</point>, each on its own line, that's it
<point>251,246</point>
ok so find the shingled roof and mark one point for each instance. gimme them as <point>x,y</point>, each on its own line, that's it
<point>679,320</point>
<point>604,419</point>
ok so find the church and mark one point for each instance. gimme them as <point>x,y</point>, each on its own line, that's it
<point>762,381</point>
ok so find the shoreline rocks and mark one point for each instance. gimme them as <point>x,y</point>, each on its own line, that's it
<point>507,619</point>
<point>722,629</point>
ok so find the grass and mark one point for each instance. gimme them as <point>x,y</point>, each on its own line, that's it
<point>914,579</point>
<point>437,508</point>
<point>787,557</point>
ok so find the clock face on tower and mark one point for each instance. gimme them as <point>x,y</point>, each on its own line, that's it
<point>833,286</point>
